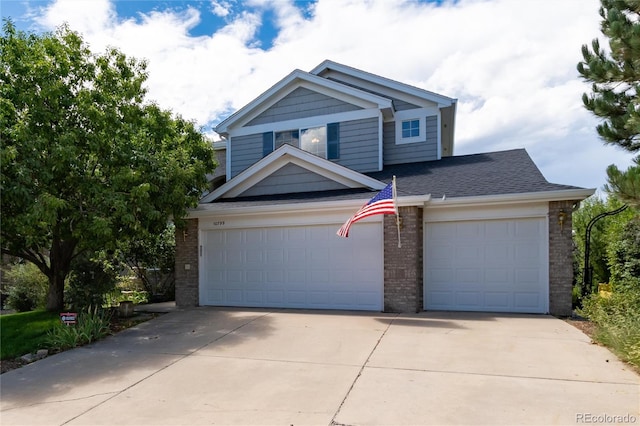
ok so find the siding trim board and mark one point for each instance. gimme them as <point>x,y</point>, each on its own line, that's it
<point>305,122</point>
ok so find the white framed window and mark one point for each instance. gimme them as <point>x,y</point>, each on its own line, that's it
<point>410,127</point>
<point>323,141</point>
<point>314,140</point>
<point>288,136</point>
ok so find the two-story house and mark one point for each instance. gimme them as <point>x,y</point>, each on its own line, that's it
<point>482,232</point>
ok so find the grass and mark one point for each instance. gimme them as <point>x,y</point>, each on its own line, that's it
<point>25,332</point>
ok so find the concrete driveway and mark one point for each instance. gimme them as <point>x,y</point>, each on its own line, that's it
<point>240,366</point>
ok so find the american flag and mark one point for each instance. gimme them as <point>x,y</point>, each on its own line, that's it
<point>383,203</point>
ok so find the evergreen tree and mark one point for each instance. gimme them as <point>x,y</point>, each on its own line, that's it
<point>615,97</point>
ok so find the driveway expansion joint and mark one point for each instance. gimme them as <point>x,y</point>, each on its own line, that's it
<point>333,422</point>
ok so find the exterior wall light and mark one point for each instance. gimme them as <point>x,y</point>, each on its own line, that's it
<point>562,216</point>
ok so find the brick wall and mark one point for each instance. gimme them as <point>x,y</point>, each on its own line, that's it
<point>187,264</point>
<point>403,290</point>
<point>560,259</point>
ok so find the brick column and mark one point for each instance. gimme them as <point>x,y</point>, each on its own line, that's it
<point>187,293</point>
<point>403,291</point>
<point>560,258</point>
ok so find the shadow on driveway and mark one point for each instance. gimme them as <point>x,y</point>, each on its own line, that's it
<point>120,361</point>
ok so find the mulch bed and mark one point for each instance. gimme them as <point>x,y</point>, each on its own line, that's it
<point>116,325</point>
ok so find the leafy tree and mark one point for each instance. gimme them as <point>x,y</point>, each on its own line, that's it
<point>153,262</point>
<point>615,77</point>
<point>85,160</point>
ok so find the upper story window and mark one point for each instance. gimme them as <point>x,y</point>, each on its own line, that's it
<point>314,140</point>
<point>323,141</point>
<point>411,126</point>
<point>289,136</point>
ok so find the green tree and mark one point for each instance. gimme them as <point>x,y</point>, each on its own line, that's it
<point>86,161</point>
<point>603,233</point>
<point>615,78</point>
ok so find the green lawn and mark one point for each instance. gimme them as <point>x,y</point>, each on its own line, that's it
<point>25,332</point>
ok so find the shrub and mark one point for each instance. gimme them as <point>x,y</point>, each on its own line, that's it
<point>89,282</point>
<point>93,324</point>
<point>152,260</point>
<point>28,288</point>
<point>617,318</point>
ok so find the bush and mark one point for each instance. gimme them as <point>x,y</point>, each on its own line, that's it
<point>89,282</point>
<point>28,287</point>
<point>93,324</point>
<point>152,260</point>
<point>617,318</point>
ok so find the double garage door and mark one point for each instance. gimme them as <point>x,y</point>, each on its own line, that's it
<point>487,265</point>
<point>293,267</point>
<point>469,265</point>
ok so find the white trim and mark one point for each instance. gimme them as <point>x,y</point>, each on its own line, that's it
<point>380,141</point>
<point>228,161</point>
<point>285,155</point>
<point>421,115</point>
<point>300,123</point>
<point>557,195</point>
<point>422,125</point>
<point>298,78</point>
<point>439,135</point>
<point>487,212</point>
<point>383,81</point>
<point>301,209</point>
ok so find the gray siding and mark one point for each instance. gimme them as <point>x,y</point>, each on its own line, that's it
<point>398,104</point>
<point>245,151</point>
<point>290,179</point>
<point>410,152</point>
<point>302,103</point>
<point>359,145</point>
<point>402,105</point>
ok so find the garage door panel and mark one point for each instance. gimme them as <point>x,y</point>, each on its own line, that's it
<point>468,298</point>
<point>497,300</point>
<point>526,300</point>
<point>297,267</point>
<point>497,265</point>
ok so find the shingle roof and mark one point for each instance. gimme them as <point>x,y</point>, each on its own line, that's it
<point>491,173</point>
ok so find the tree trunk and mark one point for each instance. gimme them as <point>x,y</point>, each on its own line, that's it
<point>55,297</point>
<point>60,260</point>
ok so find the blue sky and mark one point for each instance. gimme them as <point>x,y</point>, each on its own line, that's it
<point>510,63</point>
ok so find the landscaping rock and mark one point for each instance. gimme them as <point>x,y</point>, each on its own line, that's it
<point>42,353</point>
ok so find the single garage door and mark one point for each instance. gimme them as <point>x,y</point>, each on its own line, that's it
<point>487,265</point>
<point>293,267</point>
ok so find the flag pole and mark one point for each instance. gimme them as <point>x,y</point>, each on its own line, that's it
<point>395,203</point>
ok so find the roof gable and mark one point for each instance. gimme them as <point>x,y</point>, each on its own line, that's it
<point>295,80</point>
<point>284,156</point>
<point>385,86</point>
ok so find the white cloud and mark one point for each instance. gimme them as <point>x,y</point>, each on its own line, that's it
<point>221,8</point>
<point>511,63</point>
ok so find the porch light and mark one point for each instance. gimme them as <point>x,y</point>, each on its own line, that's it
<point>562,216</point>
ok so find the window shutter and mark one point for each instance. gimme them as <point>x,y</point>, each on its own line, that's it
<point>267,143</point>
<point>333,141</point>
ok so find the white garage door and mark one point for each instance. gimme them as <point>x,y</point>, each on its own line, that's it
<point>487,265</point>
<point>293,267</point>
